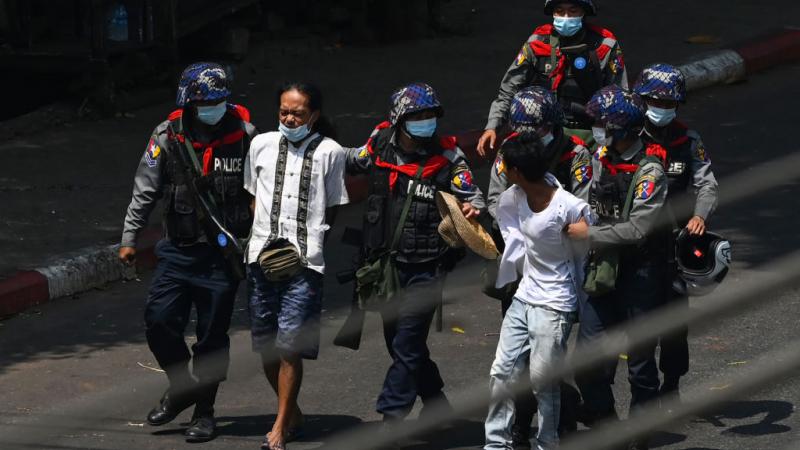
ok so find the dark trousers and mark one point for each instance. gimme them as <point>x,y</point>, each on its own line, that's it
<point>187,276</point>
<point>674,357</point>
<point>406,322</point>
<point>639,291</point>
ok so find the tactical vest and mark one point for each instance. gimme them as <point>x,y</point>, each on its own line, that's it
<point>388,189</point>
<point>573,72</point>
<point>222,179</point>
<point>679,160</point>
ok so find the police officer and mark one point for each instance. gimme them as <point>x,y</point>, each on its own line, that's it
<point>571,57</point>
<point>663,88</point>
<point>638,239</point>
<point>535,110</point>
<point>191,268</point>
<point>392,158</point>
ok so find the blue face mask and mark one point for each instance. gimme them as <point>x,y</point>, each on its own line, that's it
<point>661,117</point>
<point>547,139</point>
<point>567,26</point>
<point>294,134</point>
<point>421,128</point>
<point>211,115</point>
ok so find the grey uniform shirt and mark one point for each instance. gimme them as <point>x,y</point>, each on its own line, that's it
<point>521,73</point>
<point>149,181</point>
<point>645,216</point>
<point>704,183</point>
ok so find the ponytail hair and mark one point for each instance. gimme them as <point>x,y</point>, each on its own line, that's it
<point>323,125</point>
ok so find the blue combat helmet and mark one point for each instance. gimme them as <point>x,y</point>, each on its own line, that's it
<point>532,108</point>
<point>663,82</point>
<point>616,109</point>
<point>413,98</point>
<point>590,6</point>
<point>202,81</point>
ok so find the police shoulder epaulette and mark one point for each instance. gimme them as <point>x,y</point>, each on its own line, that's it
<point>454,155</point>
<point>692,134</point>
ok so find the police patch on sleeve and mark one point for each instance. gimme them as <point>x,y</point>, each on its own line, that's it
<point>520,57</point>
<point>701,152</point>
<point>499,166</point>
<point>645,187</point>
<point>152,153</point>
<point>582,170</point>
<point>463,181</point>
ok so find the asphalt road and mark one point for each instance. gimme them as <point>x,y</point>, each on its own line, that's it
<point>76,373</point>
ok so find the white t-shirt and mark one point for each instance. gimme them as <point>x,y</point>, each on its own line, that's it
<point>325,189</point>
<point>549,270</point>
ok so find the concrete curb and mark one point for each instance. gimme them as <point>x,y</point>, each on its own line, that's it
<point>90,267</point>
<point>735,64</point>
<point>95,266</point>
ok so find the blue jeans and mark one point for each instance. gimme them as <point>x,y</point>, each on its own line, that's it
<point>285,316</point>
<point>542,333</point>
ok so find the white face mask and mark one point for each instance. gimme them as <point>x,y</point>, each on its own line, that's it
<point>661,117</point>
<point>600,136</point>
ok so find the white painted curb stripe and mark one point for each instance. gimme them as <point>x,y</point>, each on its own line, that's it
<point>723,66</point>
<point>94,268</point>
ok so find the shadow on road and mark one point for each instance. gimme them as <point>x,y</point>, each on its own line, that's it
<point>773,411</point>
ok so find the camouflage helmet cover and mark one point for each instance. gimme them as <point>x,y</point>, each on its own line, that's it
<point>413,98</point>
<point>202,81</point>
<point>533,107</point>
<point>661,81</point>
<point>616,108</point>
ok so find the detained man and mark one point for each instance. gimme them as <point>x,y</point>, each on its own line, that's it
<point>297,177</point>
<point>532,215</point>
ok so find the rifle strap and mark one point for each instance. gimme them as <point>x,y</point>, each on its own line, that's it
<point>197,169</point>
<point>406,206</point>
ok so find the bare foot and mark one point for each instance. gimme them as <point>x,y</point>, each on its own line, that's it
<point>276,440</point>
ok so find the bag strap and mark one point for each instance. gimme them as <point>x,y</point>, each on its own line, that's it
<point>198,168</point>
<point>406,207</point>
<point>629,199</point>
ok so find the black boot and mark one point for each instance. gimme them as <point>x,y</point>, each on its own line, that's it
<point>203,427</point>
<point>172,403</point>
<point>433,407</point>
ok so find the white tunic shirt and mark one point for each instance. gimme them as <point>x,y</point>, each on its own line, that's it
<point>325,189</point>
<point>537,247</point>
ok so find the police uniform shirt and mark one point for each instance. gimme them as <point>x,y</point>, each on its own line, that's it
<point>649,196</point>
<point>325,188</point>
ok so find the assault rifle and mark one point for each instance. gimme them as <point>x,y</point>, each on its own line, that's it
<point>215,231</point>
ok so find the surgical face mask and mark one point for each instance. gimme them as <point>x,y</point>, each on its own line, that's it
<point>547,139</point>
<point>211,115</point>
<point>421,128</point>
<point>567,26</point>
<point>661,116</point>
<point>294,134</point>
<point>601,137</point>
